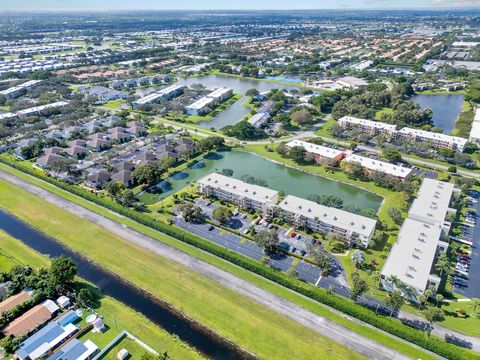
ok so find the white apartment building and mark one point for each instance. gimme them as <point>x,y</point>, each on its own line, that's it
<point>368,126</point>
<point>238,192</point>
<point>437,140</point>
<point>16,91</point>
<point>320,154</point>
<point>351,82</point>
<point>383,167</point>
<point>201,106</point>
<point>421,238</point>
<point>475,131</point>
<point>258,119</point>
<point>38,109</point>
<point>324,219</point>
<point>165,93</point>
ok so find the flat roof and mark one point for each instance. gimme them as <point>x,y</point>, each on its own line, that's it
<point>370,123</point>
<point>320,150</point>
<point>200,103</point>
<point>219,92</point>
<point>412,255</point>
<point>240,188</point>
<point>434,136</point>
<point>380,166</point>
<point>432,202</point>
<point>336,217</point>
<point>258,119</point>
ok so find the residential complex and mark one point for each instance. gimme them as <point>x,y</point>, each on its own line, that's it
<point>475,131</point>
<point>165,93</point>
<point>372,165</point>
<point>18,90</point>
<point>238,192</point>
<point>320,154</point>
<point>206,103</point>
<point>421,238</point>
<point>308,214</point>
<point>437,140</point>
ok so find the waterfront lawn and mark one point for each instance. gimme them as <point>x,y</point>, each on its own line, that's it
<point>135,351</point>
<point>117,316</point>
<point>244,321</point>
<point>277,289</point>
<point>385,110</point>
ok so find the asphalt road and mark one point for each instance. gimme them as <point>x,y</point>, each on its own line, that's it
<point>368,347</point>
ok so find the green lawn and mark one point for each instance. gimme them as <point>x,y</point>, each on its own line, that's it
<point>114,104</point>
<point>135,350</point>
<point>244,321</point>
<point>323,131</point>
<point>385,110</point>
<point>117,316</point>
<point>195,119</point>
<point>309,304</point>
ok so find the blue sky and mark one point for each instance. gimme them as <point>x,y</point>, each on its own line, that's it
<point>230,4</point>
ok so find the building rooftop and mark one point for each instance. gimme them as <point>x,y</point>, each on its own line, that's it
<point>336,217</point>
<point>240,188</point>
<point>320,150</point>
<point>434,136</point>
<point>13,301</point>
<point>30,320</point>
<point>370,123</point>
<point>380,166</point>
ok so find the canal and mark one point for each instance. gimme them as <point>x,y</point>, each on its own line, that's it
<point>277,176</point>
<point>161,314</point>
<point>237,111</point>
<point>445,108</point>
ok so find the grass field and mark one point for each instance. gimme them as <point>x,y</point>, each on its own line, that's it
<point>244,274</point>
<point>244,321</point>
<point>117,316</point>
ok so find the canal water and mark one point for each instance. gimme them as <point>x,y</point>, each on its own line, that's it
<point>277,176</point>
<point>236,111</point>
<point>445,108</point>
<point>206,343</point>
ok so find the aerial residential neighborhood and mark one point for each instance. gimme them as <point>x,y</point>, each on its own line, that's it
<point>254,180</point>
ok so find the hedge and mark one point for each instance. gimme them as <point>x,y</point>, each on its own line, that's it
<point>341,304</point>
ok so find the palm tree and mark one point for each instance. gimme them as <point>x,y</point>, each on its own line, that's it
<point>439,300</point>
<point>375,279</point>
<point>394,280</point>
<point>475,304</point>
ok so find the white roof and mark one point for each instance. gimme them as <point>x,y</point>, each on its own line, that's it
<point>460,142</point>
<point>369,123</point>
<point>475,131</point>
<point>380,166</point>
<point>219,92</point>
<point>358,224</point>
<point>258,119</point>
<point>7,115</point>
<point>50,305</point>
<point>353,81</point>
<point>19,87</point>
<point>240,188</point>
<point>160,94</point>
<point>200,103</point>
<point>411,257</point>
<point>320,150</point>
<point>42,107</point>
<point>432,202</point>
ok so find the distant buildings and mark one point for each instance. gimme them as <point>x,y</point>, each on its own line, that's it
<point>372,165</point>
<point>351,82</point>
<point>103,94</point>
<point>475,130</point>
<point>374,128</point>
<point>166,93</point>
<point>206,103</point>
<point>421,238</point>
<point>18,90</point>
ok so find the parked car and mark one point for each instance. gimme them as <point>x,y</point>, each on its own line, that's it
<point>298,237</point>
<point>303,252</point>
<point>210,228</point>
<point>293,248</point>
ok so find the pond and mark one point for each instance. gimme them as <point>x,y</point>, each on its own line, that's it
<point>277,176</point>
<point>204,341</point>
<point>236,111</point>
<point>445,108</point>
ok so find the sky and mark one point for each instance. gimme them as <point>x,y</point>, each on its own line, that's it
<point>7,5</point>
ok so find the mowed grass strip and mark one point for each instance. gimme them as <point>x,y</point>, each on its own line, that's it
<point>117,316</point>
<point>247,323</point>
<point>312,305</point>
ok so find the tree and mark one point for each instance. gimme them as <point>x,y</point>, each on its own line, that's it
<point>267,239</point>
<point>359,286</point>
<point>210,143</point>
<point>252,92</point>
<point>358,258</point>
<point>227,172</point>
<point>452,169</point>
<point>475,304</point>
<point>433,314</point>
<point>166,162</point>
<point>320,256</point>
<point>327,200</point>
<point>396,215</point>
<point>302,116</point>
<point>222,214</point>
<point>114,188</point>
<point>62,271</point>
<point>146,173</point>
<point>191,213</point>
<point>128,197</point>
<point>443,264</point>
<point>439,300</point>
<point>392,155</point>
<point>292,271</point>
<point>86,296</point>
<point>297,154</point>
<point>395,300</point>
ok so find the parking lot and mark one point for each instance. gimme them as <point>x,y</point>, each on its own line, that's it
<point>466,280</point>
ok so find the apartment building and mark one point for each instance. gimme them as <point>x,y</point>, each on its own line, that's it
<point>323,219</point>
<point>475,131</point>
<point>437,140</point>
<point>421,238</point>
<point>372,165</point>
<point>206,103</point>
<point>39,109</point>
<point>258,120</point>
<point>18,90</point>
<point>166,93</point>
<point>368,126</point>
<point>320,154</point>
<point>246,196</point>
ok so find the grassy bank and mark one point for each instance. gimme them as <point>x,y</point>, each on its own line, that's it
<point>239,319</point>
<point>117,316</point>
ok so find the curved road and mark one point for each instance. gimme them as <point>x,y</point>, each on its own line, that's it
<point>319,324</point>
